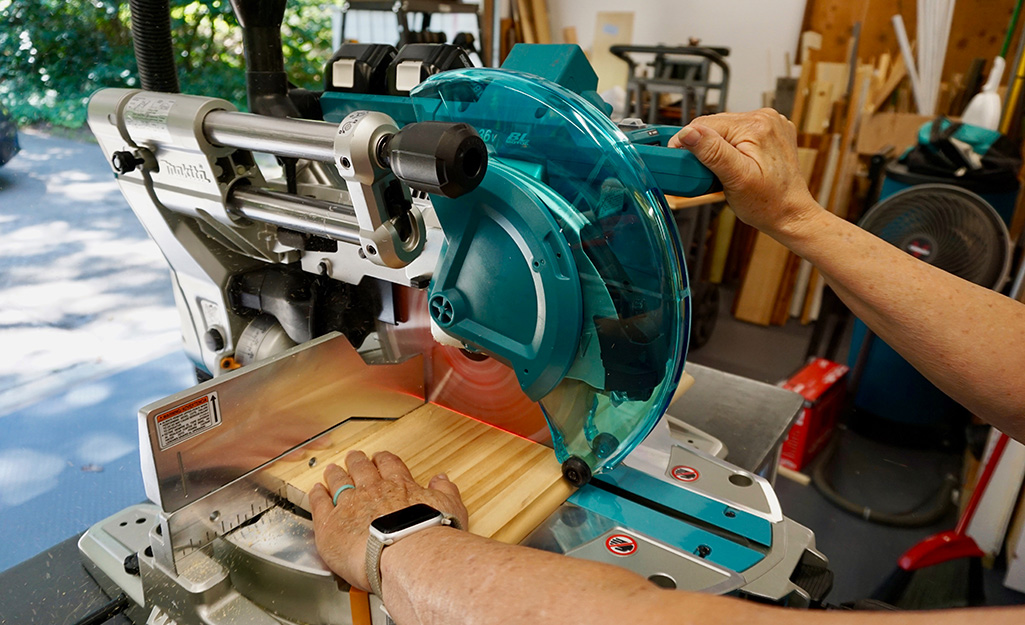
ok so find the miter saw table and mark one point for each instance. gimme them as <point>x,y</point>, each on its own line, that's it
<point>749,419</point>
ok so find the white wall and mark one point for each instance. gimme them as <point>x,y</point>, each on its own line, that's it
<point>758,33</point>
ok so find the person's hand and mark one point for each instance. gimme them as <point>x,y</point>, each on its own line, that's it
<point>754,155</point>
<point>381,486</point>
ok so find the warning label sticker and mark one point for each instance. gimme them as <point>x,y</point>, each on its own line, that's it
<point>685,473</point>
<point>149,114</point>
<point>621,544</point>
<point>190,419</point>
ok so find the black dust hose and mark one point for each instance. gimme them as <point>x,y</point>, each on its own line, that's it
<point>151,38</point>
<point>936,506</point>
<point>266,81</point>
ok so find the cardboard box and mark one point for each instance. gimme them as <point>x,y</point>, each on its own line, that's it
<point>822,383</point>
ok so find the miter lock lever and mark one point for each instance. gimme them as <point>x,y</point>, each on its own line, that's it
<point>444,158</point>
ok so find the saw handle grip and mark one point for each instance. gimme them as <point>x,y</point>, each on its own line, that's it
<point>678,172</point>
<point>448,159</point>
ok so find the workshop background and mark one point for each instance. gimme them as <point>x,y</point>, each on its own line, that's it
<point>89,330</point>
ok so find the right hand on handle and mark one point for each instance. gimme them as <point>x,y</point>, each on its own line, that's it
<point>754,155</point>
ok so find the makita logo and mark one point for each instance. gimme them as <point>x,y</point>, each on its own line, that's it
<point>189,172</point>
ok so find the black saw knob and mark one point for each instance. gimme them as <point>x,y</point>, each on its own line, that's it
<point>443,158</point>
<point>576,471</point>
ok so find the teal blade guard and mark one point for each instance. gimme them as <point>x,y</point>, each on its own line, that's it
<point>565,264</point>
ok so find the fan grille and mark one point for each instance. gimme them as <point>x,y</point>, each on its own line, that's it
<point>946,226</point>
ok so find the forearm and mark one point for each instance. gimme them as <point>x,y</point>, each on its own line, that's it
<point>966,339</point>
<point>446,577</point>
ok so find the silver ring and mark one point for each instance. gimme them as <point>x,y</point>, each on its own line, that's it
<point>334,500</point>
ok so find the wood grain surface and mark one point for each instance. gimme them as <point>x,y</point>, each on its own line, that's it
<point>509,484</point>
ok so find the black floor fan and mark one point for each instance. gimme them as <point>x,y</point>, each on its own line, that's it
<point>954,230</point>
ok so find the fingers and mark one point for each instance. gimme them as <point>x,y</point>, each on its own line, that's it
<point>730,126</point>
<point>442,484</point>
<point>320,504</point>
<point>391,467</point>
<point>712,150</point>
<point>363,471</point>
<point>335,477</point>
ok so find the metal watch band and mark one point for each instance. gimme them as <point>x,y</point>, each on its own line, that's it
<point>373,558</point>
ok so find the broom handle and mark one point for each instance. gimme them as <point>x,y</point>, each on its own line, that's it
<point>980,487</point>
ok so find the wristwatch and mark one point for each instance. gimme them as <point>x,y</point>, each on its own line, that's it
<point>388,529</point>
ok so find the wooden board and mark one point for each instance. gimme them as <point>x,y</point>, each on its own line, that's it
<point>817,110</point>
<point>757,297</point>
<point>895,77</point>
<point>509,38</point>
<point>722,235</point>
<point>676,202</point>
<point>509,484</point>
<point>841,197</point>
<point>738,260</point>
<point>800,289</point>
<point>787,284</point>
<point>835,74</point>
<point>525,20</point>
<point>810,41</point>
<point>803,83</point>
<point>806,159</point>
<point>542,24</point>
<point>815,283</point>
<point>611,28</point>
<point>882,129</point>
<point>487,34</point>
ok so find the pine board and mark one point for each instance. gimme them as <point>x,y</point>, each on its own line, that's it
<point>676,202</point>
<point>724,225</point>
<point>882,129</point>
<point>525,20</point>
<point>542,24</point>
<point>787,284</point>
<point>757,297</point>
<point>803,84</point>
<point>509,484</point>
<point>816,117</point>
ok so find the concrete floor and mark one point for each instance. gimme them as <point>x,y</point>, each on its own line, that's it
<point>89,333</point>
<point>83,290</point>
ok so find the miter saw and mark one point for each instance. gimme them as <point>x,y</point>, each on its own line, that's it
<point>436,224</point>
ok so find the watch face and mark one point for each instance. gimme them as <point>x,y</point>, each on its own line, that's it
<point>405,518</point>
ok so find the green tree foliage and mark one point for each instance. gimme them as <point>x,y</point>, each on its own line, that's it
<point>55,53</point>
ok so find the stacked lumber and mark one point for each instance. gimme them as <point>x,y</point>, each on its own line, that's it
<point>532,21</point>
<point>832,106</point>
<point>528,22</point>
